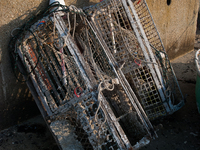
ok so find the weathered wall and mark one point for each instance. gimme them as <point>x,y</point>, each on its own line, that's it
<point>176,24</point>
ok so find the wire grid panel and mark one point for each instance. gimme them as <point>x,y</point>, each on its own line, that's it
<point>148,24</point>
<point>147,91</point>
<point>94,122</point>
<point>154,39</point>
<point>55,71</point>
<point>115,28</point>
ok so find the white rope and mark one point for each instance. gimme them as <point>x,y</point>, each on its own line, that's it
<point>68,23</point>
<point>74,25</point>
<point>100,89</point>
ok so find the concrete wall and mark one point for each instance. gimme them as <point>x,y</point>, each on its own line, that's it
<point>176,23</point>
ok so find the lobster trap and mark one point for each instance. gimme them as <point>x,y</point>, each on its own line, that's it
<point>128,30</point>
<point>76,84</point>
<point>97,75</point>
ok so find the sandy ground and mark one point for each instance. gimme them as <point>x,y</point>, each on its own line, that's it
<point>180,130</point>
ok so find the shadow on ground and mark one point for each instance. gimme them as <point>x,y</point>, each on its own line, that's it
<point>16,104</point>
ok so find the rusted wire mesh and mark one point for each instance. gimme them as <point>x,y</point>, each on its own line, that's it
<point>131,36</point>
<point>55,71</point>
<point>173,93</point>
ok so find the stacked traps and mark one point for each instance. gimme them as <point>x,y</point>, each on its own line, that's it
<point>128,31</point>
<point>76,82</point>
<point>93,74</point>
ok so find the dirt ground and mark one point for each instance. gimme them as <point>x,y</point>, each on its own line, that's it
<point>180,131</point>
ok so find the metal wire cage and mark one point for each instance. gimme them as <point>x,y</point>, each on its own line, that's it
<point>136,43</point>
<point>170,80</point>
<point>67,75</point>
<point>60,81</point>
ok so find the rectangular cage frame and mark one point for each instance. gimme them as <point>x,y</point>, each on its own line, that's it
<point>119,22</point>
<point>51,70</point>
